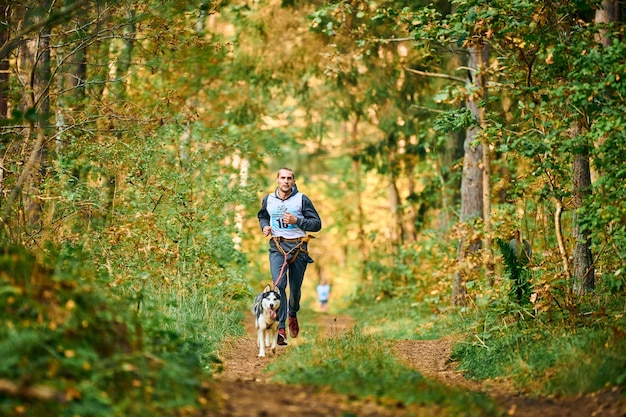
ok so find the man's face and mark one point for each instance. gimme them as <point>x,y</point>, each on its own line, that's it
<point>285,180</point>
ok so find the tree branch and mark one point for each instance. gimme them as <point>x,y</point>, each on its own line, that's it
<point>435,75</point>
<point>52,20</point>
<point>17,188</point>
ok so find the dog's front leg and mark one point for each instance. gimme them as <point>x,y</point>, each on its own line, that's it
<point>273,335</point>
<point>268,336</point>
<point>261,342</point>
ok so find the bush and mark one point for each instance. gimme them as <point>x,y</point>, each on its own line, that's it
<point>582,354</point>
<point>67,349</point>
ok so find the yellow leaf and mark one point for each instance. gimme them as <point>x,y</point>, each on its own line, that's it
<point>72,393</point>
<point>128,367</point>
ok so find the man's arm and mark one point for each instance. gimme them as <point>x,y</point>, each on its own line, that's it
<point>311,221</point>
<point>263,215</point>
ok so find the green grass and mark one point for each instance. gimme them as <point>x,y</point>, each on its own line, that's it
<point>565,352</point>
<point>402,319</point>
<point>361,366</point>
<point>549,358</point>
<point>202,315</point>
<point>76,349</point>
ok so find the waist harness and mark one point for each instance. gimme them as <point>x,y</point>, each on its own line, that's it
<point>298,248</point>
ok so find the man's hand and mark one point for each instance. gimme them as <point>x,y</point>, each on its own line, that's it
<point>267,230</point>
<point>289,218</point>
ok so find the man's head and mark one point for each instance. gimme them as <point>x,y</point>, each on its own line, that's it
<point>286,172</point>
<point>285,179</point>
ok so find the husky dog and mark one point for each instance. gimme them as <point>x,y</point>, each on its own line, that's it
<point>265,311</point>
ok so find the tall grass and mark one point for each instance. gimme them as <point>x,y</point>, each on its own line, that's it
<point>203,315</point>
<point>69,348</point>
<point>582,354</point>
<point>550,343</point>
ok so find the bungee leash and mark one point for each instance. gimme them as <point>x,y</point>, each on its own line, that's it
<point>298,249</point>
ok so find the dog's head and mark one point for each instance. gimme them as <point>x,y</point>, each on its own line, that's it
<point>270,301</point>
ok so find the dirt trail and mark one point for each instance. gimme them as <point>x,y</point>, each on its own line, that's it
<point>246,390</point>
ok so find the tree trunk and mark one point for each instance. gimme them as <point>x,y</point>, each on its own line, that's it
<point>582,257</point>
<point>608,12</point>
<point>481,62</point>
<point>72,83</point>
<point>473,182</point>
<point>395,208</point>
<point>243,165</point>
<point>34,73</point>
<point>126,45</point>
<point>583,265</point>
<point>451,190</point>
<point>558,213</point>
<point>412,212</point>
<point>117,89</point>
<point>471,209</point>
<point>4,83</point>
<point>356,170</point>
<point>4,77</point>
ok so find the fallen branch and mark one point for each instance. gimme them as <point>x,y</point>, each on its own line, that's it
<point>37,392</point>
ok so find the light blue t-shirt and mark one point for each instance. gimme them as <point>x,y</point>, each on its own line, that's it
<point>323,290</point>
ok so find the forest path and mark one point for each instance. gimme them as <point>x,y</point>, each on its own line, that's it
<point>246,390</point>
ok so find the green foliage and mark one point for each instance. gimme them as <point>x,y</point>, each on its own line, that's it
<point>400,274</point>
<point>361,365</point>
<point>581,355</point>
<point>515,270</point>
<point>145,178</point>
<point>68,349</point>
<point>455,120</point>
<point>202,315</point>
<point>168,246</point>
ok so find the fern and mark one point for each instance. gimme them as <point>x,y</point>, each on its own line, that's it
<point>516,272</point>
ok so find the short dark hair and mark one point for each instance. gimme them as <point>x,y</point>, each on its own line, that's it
<point>286,169</point>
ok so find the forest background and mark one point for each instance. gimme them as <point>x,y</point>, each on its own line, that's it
<point>466,157</point>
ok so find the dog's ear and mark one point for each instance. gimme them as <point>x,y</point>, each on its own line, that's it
<point>267,288</point>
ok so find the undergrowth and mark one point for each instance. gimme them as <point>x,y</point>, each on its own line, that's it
<point>406,296</point>
<point>70,348</point>
<point>361,366</point>
<point>583,354</point>
<point>526,326</point>
<point>203,315</point>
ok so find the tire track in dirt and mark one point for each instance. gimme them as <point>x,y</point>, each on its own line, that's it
<point>432,359</point>
<point>244,389</point>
